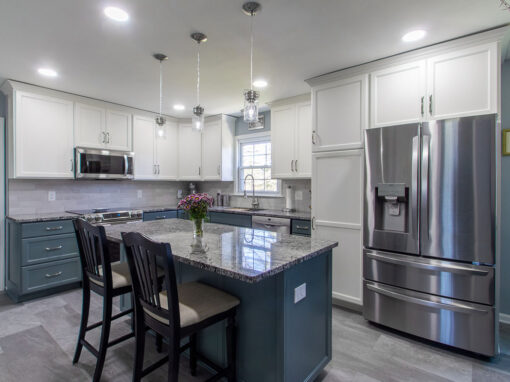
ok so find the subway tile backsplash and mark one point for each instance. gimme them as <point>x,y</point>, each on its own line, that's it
<point>31,196</point>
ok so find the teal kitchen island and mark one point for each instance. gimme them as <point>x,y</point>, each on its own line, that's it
<point>283,282</point>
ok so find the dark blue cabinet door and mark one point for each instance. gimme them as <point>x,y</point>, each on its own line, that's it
<point>169,214</point>
<point>230,219</point>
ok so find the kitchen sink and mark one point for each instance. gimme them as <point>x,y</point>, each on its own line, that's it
<point>241,209</point>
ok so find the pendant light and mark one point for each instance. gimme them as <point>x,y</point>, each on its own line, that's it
<point>251,103</point>
<point>197,120</point>
<point>160,120</point>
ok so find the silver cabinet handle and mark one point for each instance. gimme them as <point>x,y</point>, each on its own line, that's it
<point>422,106</point>
<point>104,136</point>
<point>107,137</point>
<point>154,169</point>
<point>54,228</point>
<point>49,249</point>
<point>49,276</point>
<point>292,165</point>
<point>295,165</point>
<point>302,227</point>
<point>199,170</point>
<point>313,223</point>
<point>452,268</point>
<point>453,306</point>
<point>159,170</point>
<point>72,164</point>
<point>160,217</point>
<point>313,138</point>
<point>219,169</point>
<point>430,104</point>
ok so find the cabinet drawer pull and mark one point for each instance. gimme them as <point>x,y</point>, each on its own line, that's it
<point>54,228</point>
<point>49,249</point>
<point>302,227</point>
<point>49,276</point>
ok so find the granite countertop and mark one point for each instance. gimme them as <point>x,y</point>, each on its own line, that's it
<point>245,254</point>
<point>41,217</point>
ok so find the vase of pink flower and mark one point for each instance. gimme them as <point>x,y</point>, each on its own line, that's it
<point>196,205</point>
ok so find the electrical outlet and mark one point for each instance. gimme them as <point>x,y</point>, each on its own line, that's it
<point>139,194</point>
<point>52,196</point>
<point>179,194</point>
<point>298,195</point>
<point>299,293</point>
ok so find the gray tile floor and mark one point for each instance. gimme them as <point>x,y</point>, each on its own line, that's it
<point>37,341</point>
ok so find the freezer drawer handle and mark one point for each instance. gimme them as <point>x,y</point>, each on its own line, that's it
<point>456,307</point>
<point>432,267</point>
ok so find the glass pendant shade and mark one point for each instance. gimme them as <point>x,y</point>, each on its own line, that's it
<point>197,120</point>
<point>251,106</point>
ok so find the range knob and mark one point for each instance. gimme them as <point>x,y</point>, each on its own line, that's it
<point>98,218</point>
<point>90,218</point>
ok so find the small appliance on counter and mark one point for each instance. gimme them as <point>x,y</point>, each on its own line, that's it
<point>192,188</point>
<point>289,200</point>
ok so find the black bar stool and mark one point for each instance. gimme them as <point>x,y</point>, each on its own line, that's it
<point>176,311</point>
<point>104,278</point>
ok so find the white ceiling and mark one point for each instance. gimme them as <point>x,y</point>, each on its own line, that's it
<point>294,40</point>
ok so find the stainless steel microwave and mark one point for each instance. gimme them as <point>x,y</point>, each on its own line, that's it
<point>103,164</point>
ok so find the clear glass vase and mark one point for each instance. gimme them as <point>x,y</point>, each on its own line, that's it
<point>198,227</point>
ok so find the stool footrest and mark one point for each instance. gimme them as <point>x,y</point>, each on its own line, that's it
<point>119,315</point>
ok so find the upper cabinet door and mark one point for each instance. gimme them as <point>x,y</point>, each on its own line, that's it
<point>190,153</point>
<point>43,137</point>
<point>397,94</point>
<point>167,151</point>
<point>143,131</point>
<point>118,130</point>
<point>463,82</point>
<point>283,125</point>
<point>89,126</point>
<point>339,114</point>
<point>303,163</point>
<point>211,150</point>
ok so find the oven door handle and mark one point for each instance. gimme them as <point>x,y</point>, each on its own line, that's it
<point>453,306</point>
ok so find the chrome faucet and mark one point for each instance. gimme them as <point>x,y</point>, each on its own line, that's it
<point>254,200</point>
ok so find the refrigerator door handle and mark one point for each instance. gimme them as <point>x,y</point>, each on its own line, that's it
<point>425,153</point>
<point>429,266</point>
<point>414,187</point>
<point>453,306</point>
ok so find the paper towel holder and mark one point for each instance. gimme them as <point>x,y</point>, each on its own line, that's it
<point>289,200</point>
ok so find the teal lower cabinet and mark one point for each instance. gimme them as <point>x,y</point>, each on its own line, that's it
<point>301,227</point>
<point>159,215</point>
<point>181,214</point>
<point>230,219</point>
<point>42,258</point>
<point>278,340</point>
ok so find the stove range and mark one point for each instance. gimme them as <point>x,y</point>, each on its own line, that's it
<point>109,216</point>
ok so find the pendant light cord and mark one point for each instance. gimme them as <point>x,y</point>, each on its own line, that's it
<point>198,74</point>
<point>251,51</point>
<point>160,86</point>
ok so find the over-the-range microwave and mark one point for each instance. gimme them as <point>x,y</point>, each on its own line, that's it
<point>103,164</point>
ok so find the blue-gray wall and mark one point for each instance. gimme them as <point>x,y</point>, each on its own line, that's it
<point>242,127</point>
<point>505,194</point>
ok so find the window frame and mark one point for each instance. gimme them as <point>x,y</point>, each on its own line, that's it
<point>253,138</point>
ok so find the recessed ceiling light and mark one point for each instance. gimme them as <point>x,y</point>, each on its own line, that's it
<point>47,72</point>
<point>178,106</point>
<point>414,35</point>
<point>116,14</point>
<point>260,83</point>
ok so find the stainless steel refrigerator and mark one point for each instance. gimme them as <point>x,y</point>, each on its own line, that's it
<point>429,231</point>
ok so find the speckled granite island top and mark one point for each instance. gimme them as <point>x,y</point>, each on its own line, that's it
<point>242,253</point>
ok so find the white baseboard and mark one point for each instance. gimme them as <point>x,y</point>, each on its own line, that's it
<point>504,318</point>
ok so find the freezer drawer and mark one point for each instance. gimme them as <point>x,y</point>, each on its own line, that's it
<point>444,278</point>
<point>457,323</point>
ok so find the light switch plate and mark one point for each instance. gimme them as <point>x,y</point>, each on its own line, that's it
<point>298,195</point>
<point>139,194</point>
<point>52,196</point>
<point>299,293</point>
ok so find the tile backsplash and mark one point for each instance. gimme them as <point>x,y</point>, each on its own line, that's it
<point>31,196</point>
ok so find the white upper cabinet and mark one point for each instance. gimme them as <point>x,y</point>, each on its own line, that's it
<point>340,114</point>
<point>283,127</point>
<point>166,143</point>
<point>291,140</point>
<point>463,82</point>
<point>99,127</point>
<point>190,153</point>
<point>89,126</point>
<point>211,150</point>
<point>118,130</point>
<point>397,94</point>
<point>41,137</point>
<point>143,137</point>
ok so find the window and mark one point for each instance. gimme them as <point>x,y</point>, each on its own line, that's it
<point>254,158</point>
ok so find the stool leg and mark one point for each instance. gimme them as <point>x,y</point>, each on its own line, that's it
<point>193,354</point>
<point>140,346</point>
<point>105,334</point>
<point>173,359</point>
<point>84,321</point>
<point>159,343</point>
<point>232,349</point>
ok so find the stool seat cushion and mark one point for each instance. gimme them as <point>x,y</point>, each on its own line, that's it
<point>197,302</point>
<point>120,275</point>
